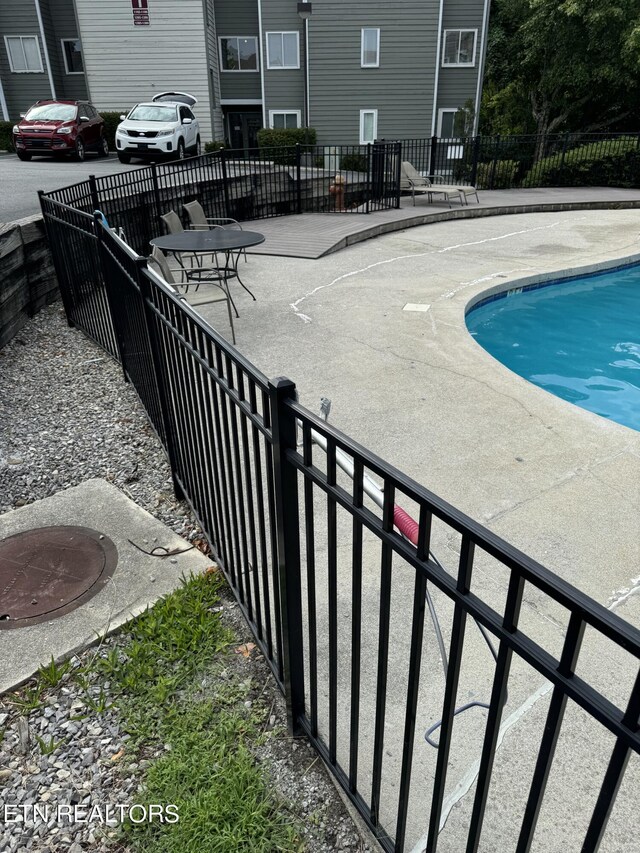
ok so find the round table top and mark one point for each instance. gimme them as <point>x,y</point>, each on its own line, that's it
<point>217,239</point>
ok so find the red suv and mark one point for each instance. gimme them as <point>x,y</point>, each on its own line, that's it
<point>60,127</point>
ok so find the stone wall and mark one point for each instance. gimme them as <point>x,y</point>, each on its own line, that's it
<point>27,277</point>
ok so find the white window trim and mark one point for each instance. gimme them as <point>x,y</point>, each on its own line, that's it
<point>441,113</point>
<point>271,67</point>
<point>25,71</point>
<point>297,113</point>
<point>364,64</point>
<point>375,126</point>
<point>475,45</point>
<point>64,56</point>
<point>239,70</point>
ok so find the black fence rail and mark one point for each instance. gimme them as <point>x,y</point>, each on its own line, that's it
<point>72,238</point>
<point>506,162</point>
<point>243,185</point>
<point>356,618</point>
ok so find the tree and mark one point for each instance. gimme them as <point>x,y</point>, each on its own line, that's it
<point>572,65</point>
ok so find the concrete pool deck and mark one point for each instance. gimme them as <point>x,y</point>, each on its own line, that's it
<point>379,329</point>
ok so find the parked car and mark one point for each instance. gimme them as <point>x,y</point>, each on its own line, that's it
<point>162,127</point>
<point>58,128</point>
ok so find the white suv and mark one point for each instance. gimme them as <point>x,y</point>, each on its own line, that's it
<point>163,127</point>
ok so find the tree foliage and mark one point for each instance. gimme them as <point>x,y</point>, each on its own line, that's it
<point>555,66</point>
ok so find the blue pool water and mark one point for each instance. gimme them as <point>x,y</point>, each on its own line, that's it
<point>579,340</point>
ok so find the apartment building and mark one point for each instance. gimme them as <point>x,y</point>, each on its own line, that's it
<point>355,71</point>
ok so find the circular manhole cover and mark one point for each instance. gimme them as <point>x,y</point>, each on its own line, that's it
<point>49,571</point>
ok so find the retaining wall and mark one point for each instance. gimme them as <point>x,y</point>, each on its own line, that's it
<point>27,277</point>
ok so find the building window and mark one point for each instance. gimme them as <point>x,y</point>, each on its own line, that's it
<point>370,47</point>
<point>24,54</point>
<point>283,50</point>
<point>72,53</point>
<point>446,124</point>
<point>368,126</point>
<point>284,119</point>
<point>459,48</point>
<point>239,53</point>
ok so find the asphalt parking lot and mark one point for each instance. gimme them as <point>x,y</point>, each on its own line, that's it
<point>20,182</point>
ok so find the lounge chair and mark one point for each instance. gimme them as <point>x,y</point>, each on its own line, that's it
<point>411,180</point>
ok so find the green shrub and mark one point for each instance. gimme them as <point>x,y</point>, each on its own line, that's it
<point>279,145</point>
<point>216,145</point>
<point>6,139</point>
<point>497,175</point>
<point>590,165</point>
<point>354,163</point>
<point>111,121</point>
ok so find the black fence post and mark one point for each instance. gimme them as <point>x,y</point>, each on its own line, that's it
<point>54,249</point>
<point>281,392</point>
<point>93,188</point>
<point>433,155</point>
<point>476,157</point>
<point>144,286</point>
<point>225,185</point>
<point>369,181</point>
<point>398,173</point>
<point>156,191</point>
<point>298,179</point>
<point>98,225</point>
<point>494,164</point>
<point>565,140</point>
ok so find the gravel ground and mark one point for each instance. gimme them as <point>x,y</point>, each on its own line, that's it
<point>66,416</point>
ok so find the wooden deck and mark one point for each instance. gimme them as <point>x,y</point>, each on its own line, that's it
<point>312,235</point>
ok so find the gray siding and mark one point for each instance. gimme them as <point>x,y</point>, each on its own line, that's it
<point>21,90</point>
<point>126,64</point>
<point>213,71</point>
<point>63,18</point>
<point>401,89</point>
<point>238,18</point>
<point>283,89</point>
<point>457,85</point>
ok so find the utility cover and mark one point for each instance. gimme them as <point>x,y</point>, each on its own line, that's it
<point>49,571</point>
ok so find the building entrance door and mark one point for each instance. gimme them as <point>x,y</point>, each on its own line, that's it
<point>243,129</point>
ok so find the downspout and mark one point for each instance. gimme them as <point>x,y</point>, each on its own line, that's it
<point>261,52</point>
<point>3,104</point>
<point>44,49</point>
<point>437,74</point>
<point>481,63</point>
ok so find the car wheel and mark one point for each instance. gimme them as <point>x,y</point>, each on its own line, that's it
<point>180,151</point>
<point>124,158</point>
<point>23,155</point>
<point>80,152</point>
<point>103,147</point>
<point>198,147</point>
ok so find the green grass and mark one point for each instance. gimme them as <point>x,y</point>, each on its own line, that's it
<point>207,770</point>
<point>221,797</point>
<point>155,671</point>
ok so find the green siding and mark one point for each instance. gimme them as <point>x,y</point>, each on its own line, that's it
<point>238,18</point>
<point>457,85</point>
<point>63,18</point>
<point>213,67</point>
<point>284,88</point>
<point>21,90</point>
<point>401,89</point>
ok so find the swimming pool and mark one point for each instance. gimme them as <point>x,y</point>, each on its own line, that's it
<point>578,339</point>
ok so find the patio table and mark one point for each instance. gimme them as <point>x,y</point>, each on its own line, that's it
<point>210,243</point>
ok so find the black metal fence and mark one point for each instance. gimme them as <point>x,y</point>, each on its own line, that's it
<point>243,185</point>
<point>505,162</point>
<point>306,534</point>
